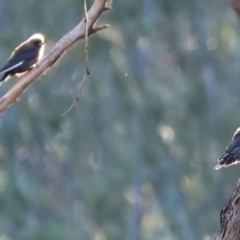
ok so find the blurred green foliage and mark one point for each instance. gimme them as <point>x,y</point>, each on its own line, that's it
<point>134,159</point>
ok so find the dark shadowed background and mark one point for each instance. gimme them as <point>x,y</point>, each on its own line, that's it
<point>135,159</point>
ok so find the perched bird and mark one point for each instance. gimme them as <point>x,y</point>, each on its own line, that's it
<point>24,57</point>
<point>231,155</point>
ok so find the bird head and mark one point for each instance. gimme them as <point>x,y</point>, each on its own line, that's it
<point>37,40</point>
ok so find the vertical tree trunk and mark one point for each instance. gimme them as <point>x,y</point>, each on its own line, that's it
<point>230,214</point>
<point>230,217</point>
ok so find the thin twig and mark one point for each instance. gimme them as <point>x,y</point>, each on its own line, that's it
<point>78,94</point>
<point>86,36</point>
<point>87,72</point>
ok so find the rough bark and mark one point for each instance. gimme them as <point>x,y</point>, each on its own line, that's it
<point>230,217</point>
<point>56,52</point>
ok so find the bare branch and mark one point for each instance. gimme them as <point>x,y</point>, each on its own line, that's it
<point>97,28</point>
<point>56,52</point>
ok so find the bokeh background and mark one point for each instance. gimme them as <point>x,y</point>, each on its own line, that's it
<point>135,159</point>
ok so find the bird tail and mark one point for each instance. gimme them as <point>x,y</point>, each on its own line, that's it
<point>226,160</point>
<point>5,75</point>
<point>218,166</point>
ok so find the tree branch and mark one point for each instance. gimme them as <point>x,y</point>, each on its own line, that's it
<point>98,7</point>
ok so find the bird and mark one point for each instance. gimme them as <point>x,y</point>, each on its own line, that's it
<point>24,57</point>
<point>231,155</point>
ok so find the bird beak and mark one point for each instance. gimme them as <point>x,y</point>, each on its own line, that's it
<point>41,44</point>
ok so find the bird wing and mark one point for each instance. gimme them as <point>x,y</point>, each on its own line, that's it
<point>17,59</point>
<point>235,143</point>
<point>9,67</point>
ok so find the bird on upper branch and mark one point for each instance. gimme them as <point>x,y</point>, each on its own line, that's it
<point>231,155</point>
<point>24,57</point>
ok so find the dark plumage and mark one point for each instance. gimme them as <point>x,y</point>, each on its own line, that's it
<point>24,57</point>
<point>232,153</point>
